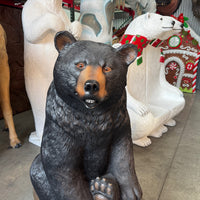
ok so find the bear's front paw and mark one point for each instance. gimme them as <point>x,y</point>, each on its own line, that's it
<point>104,189</point>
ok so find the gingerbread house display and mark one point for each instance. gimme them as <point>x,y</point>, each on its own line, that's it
<point>181,53</point>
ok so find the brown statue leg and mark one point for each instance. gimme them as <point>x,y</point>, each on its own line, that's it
<point>4,91</point>
<point>104,189</point>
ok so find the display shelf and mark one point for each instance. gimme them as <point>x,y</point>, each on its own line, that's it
<point>13,3</point>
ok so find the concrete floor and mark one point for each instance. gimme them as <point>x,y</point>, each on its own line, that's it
<point>169,169</point>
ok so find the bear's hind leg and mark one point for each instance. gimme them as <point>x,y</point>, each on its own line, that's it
<point>39,180</point>
<point>104,188</point>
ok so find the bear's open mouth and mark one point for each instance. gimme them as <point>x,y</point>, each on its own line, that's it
<point>168,27</point>
<point>90,103</point>
<point>177,29</point>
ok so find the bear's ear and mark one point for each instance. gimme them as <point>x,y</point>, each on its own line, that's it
<point>62,39</point>
<point>128,52</point>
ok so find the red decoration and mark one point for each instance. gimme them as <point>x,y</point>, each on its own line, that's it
<point>189,66</point>
<point>180,18</point>
<point>173,65</point>
<point>186,80</point>
<point>138,40</point>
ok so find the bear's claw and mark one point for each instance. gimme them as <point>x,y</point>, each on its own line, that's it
<point>102,189</point>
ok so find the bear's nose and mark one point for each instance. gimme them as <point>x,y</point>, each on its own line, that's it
<point>91,86</point>
<point>182,25</point>
<point>173,22</point>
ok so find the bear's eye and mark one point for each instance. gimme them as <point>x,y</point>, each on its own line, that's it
<point>106,69</point>
<point>80,65</point>
<point>161,18</point>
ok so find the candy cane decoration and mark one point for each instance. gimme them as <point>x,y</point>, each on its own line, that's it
<point>195,73</point>
<point>162,56</point>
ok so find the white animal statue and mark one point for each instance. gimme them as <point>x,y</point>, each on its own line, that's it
<point>142,6</point>
<point>139,6</point>
<point>96,18</point>
<point>152,102</point>
<point>41,20</point>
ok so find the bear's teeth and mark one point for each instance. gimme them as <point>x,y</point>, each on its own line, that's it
<point>89,101</point>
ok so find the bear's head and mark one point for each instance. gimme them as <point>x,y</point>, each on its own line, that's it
<point>154,26</point>
<point>90,73</point>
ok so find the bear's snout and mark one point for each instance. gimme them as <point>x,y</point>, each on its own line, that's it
<point>182,25</point>
<point>173,22</point>
<point>91,86</point>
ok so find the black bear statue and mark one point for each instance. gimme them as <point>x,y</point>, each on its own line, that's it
<point>87,151</point>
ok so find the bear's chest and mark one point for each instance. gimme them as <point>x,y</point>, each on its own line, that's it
<point>90,127</point>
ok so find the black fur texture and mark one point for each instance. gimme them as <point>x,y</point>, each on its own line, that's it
<point>86,150</point>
